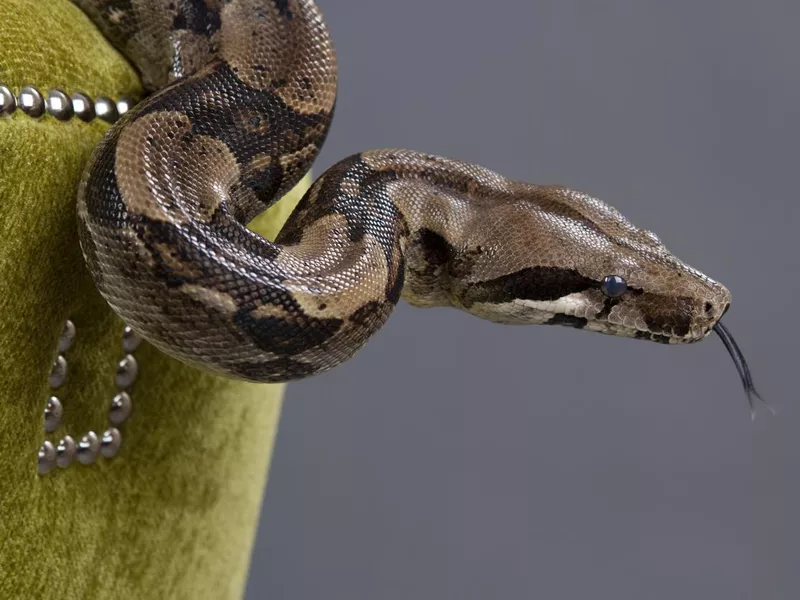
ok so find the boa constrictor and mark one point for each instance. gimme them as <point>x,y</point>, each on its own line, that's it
<point>241,95</point>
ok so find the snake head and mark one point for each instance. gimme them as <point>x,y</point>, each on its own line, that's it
<point>566,258</point>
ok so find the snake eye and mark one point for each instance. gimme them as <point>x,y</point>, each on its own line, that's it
<point>613,286</point>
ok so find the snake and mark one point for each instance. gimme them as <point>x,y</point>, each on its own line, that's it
<point>238,99</point>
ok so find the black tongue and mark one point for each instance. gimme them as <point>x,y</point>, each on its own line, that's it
<point>741,366</point>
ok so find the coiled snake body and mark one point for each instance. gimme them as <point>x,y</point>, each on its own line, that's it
<point>242,95</point>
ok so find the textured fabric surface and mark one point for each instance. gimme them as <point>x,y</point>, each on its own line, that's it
<point>174,514</point>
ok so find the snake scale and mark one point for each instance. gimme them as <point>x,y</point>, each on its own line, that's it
<point>240,98</point>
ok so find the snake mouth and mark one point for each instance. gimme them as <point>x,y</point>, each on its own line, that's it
<point>741,367</point>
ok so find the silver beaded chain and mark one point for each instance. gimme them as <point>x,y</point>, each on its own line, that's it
<point>63,107</point>
<point>90,446</point>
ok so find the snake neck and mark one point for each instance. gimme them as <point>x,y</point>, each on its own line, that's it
<point>424,217</point>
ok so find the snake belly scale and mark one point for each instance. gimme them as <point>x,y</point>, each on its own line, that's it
<point>240,98</point>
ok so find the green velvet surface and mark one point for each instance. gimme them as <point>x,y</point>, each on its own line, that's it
<point>174,514</point>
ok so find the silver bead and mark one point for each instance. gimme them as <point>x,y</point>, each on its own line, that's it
<point>8,103</point>
<point>52,414</point>
<point>130,340</point>
<point>65,452</point>
<point>58,372</point>
<point>106,109</point>
<point>127,370</point>
<point>83,107</point>
<point>88,448</point>
<point>67,337</point>
<point>110,442</point>
<point>124,105</point>
<point>120,410</point>
<point>59,105</point>
<point>46,458</point>
<point>31,102</point>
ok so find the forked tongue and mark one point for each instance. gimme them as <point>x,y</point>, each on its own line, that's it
<point>741,366</point>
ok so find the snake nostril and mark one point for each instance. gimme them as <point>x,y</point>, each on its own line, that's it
<point>709,308</point>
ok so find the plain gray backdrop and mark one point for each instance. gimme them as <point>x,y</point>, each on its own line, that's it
<point>457,459</point>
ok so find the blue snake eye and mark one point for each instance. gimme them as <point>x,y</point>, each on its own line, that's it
<point>613,286</point>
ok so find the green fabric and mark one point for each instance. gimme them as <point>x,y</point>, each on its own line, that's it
<point>174,514</point>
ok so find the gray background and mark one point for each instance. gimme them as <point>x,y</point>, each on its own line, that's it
<point>453,458</point>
